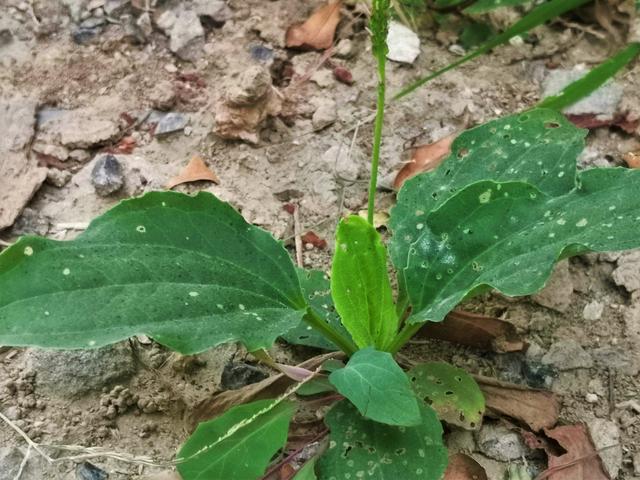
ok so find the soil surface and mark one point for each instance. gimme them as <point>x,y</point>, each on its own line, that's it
<point>101,76</point>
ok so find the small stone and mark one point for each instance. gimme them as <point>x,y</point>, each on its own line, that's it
<point>558,291</point>
<point>12,457</point>
<point>114,8</point>
<point>163,95</point>
<point>171,68</point>
<point>606,438</point>
<point>325,115</point>
<point>187,36</point>
<point>498,442</point>
<point>344,49</point>
<point>621,359</point>
<point>170,123</point>
<point>12,413</point>
<point>58,178</point>
<point>323,78</point>
<point>106,175</point>
<point>79,155</point>
<point>261,53</point>
<point>254,84</point>
<point>603,102</point>
<point>627,274</point>
<point>593,311</point>
<point>213,13</point>
<point>632,320</point>
<point>72,373</point>
<point>404,44</point>
<point>88,471</point>
<point>636,463</point>
<point>567,355</point>
<point>144,24</point>
<point>591,398</point>
<point>236,375</point>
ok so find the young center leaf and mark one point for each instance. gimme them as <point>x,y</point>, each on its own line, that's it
<point>508,236</point>
<point>317,292</point>
<point>538,147</point>
<point>362,448</point>
<point>360,284</point>
<point>451,391</point>
<point>378,387</point>
<point>187,271</point>
<point>238,444</point>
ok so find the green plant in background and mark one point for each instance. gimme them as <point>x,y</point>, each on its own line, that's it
<point>191,273</point>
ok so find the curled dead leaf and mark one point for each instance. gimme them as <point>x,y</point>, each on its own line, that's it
<point>423,159</point>
<point>318,30</point>
<point>196,170</point>
<point>536,408</point>
<point>270,387</point>
<point>581,460</point>
<point>473,330</point>
<point>463,467</point>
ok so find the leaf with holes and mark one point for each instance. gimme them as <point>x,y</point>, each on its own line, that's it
<point>451,391</point>
<point>219,448</point>
<point>378,387</point>
<point>360,284</point>
<point>317,292</point>
<point>538,147</point>
<point>187,271</point>
<point>381,451</point>
<point>508,236</point>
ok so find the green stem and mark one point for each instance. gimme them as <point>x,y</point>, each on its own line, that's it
<point>406,334</point>
<point>377,136</point>
<point>317,322</point>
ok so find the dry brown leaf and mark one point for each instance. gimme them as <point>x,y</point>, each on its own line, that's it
<point>536,408</point>
<point>592,120</point>
<point>196,170</point>
<point>318,30</point>
<point>463,467</point>
<point>480,331</point>
<point>270,387</point>
<point>423,159</point>
<point>632,159</point>
<point>581,460</point>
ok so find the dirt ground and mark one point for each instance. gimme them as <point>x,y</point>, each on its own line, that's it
<point>132,398</point>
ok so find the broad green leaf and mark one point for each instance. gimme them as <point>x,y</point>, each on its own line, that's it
<point>315,386</point>
<point>307,472</point>
<point>484,6</point>
<point>360,284</point>
<point>508,236</point>
<point>317,292</point>
<point>381,452</point>
<point>591,81</point>
<point>187,271</point>
<point>538,147</point>
<point>538,16</point>
<point>451,392</point>
<point>238,444</point>
<point>378,387</point>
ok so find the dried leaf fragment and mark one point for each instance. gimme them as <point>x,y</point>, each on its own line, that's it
<point>318,30</point>
<point>423,159</point>
<point>196,170</point>
<point>580,462</point>
<point>463,467</point>
<point>480,331</point>
<point>536,408</point>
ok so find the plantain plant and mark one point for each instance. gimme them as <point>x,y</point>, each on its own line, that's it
<point>189,272</point>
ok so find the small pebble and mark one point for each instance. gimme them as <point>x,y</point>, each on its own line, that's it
<point>106,175</point>
<point>591,398</point>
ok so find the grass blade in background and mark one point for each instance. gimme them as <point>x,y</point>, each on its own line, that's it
<point>592,80</point>
<point>537,17</point>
